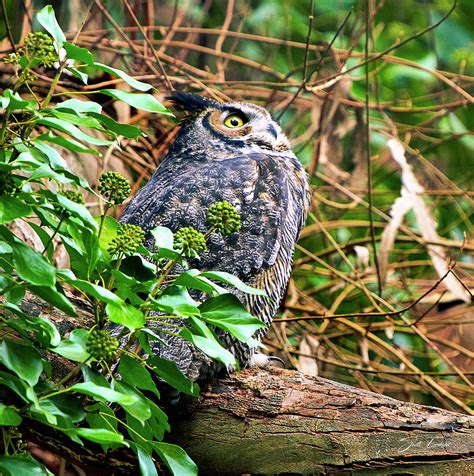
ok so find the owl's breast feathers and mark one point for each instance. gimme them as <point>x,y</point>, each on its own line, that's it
<point>270,193</point>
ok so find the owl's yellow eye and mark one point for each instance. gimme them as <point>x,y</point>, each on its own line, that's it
<point>232,121</point>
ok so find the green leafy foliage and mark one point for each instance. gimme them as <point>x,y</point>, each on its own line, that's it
<point>107,269</point>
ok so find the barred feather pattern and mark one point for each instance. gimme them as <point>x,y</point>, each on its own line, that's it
<point>260,176</point>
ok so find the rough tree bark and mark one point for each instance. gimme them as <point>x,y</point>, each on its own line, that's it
<point>281,421</point>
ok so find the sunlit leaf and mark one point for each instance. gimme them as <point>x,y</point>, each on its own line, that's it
<point>228,278</point>
<point>146,463</point>
<point>47,19</point>
<point>125,314</point>
<point>74,131</point>
<point>101,435</point>
<point>103,394</point>
<point>74,52</point>
<point>74,347</point>
<point>121,74</point>
<point>146,102</point>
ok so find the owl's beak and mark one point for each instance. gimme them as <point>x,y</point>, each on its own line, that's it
<point>272,130</point>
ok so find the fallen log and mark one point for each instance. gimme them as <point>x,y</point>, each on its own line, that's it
<point>281,421</point>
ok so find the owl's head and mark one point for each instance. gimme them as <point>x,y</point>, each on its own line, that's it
<point>234,123</point>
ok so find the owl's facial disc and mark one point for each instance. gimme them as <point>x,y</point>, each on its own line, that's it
<point>253,125</point>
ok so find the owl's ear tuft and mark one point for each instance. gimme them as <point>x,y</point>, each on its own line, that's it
<point>192,102</point>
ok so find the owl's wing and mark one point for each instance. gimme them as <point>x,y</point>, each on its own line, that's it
<point>255,184</point>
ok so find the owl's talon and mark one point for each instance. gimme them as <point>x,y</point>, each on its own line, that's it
<point>264,361</point>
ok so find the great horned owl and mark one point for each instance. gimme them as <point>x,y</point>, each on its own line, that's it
<point>230,151</point>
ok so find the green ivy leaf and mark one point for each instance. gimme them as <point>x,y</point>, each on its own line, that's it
<point>135,374</point>
<point>9,416</point>
<point>176,300</point>
<point>79,74</point>
<point>109,231</point>
<point>140,409</point>
<point>47,19</point>
<point>140,432</point>
<point>67,143</point>
<point>122,75</point>
<point>23,360</point>
<point>66,406</point>
<point>193,279</point>
<point>125,315</point>
<point>85,241</point>
<point>146,102</point>
<point>21,465</point>
<point>163,237</point>
<point>96,416</point>
<point>227,312</point>
<point>55,159</point>
<point>5,249</point>
<point>78,210</point>
<point>44,237</point>
<point>139,268</point>
<point>126,130</point>
<point>77,53</point>
<point>96,291</point>
<point>72,130</point>
<point>146,463</point>
<point>19,387</point>
<point>79,106</point>
<point>101,436</point>
<point>170,373</point>
<point>228,278</point>
<point>47,333</point>
<point>74,347</point>
<point>158,421</point>
<point>13,101</point>
<point>45,171</point>
<point>12,208</point>
<point>202,337</point>
<point>103,394</point>
<point>52,296</point>
<point>73,117</point>
<point>31,266</point>
<point>179,463</point>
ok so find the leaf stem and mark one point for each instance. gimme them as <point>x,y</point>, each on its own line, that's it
<point>102,219</point>
<point>51,238</point>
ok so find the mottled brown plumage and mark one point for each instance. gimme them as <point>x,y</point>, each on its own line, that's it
<point>229,151</point>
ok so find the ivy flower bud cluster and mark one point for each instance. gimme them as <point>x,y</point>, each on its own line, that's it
<point>39,46</point>
<point>129,238</point>
<point>224,218</point>
<point>101,345</point>
<point>75,197</point>
<point>114,187</point>
<point>189,242</point>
